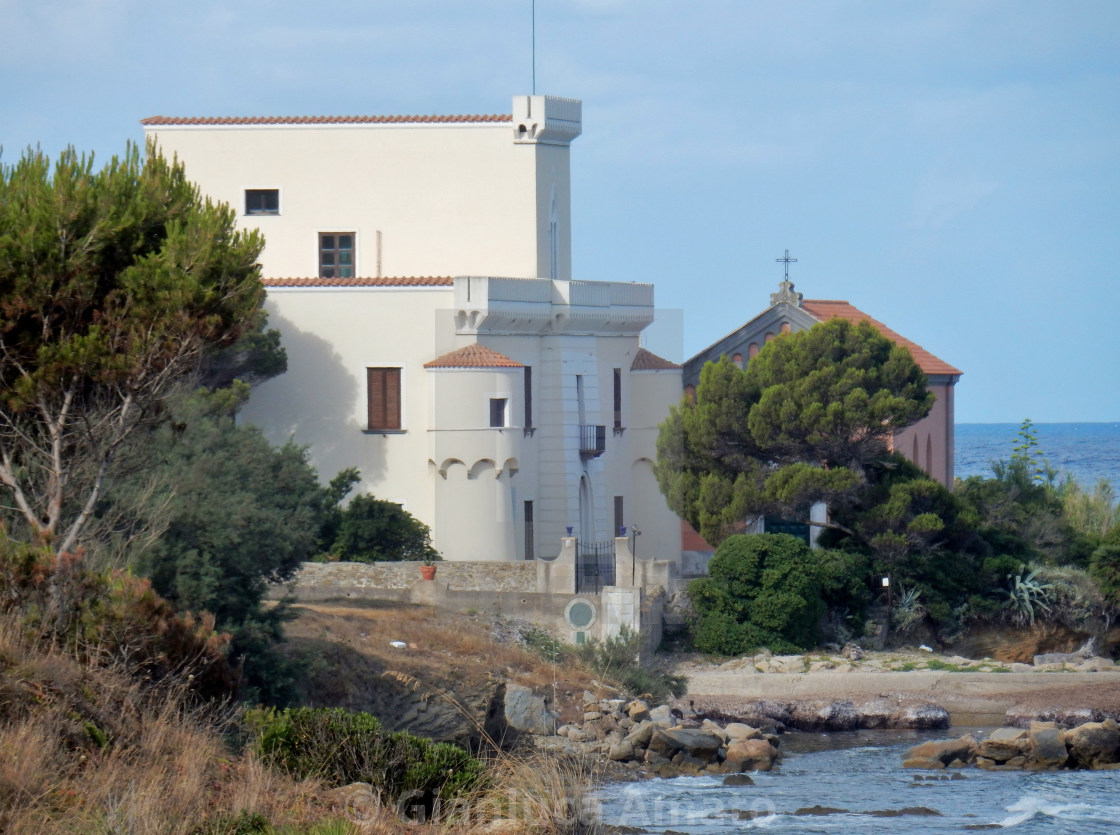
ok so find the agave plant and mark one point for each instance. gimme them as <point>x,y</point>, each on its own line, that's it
<point>909,611</point>
<point>1027,596</point>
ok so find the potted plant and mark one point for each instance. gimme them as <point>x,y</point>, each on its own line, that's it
<point>428,558</point>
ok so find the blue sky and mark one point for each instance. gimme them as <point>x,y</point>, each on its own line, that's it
<point>952,168</point>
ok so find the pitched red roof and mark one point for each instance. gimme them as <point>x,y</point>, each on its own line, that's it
<point>397,281</point>
<point>648,361</point>
<point>321,120</point>
<point>823,310</point>
<point>474,356</point>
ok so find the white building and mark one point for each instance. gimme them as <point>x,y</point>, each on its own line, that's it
<point>500,406</point>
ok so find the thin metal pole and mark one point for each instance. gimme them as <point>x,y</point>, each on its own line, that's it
<point>534,47</point>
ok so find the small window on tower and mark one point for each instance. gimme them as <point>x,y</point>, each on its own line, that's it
<point>498,412</point>
<point>262,201</point>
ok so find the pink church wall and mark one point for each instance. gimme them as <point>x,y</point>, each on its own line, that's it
<point>931,438</point>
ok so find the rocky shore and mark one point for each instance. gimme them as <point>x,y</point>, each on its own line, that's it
<point>660,741</point>
<point>905,689</point>
<point>1041,746</point>
<point>758,698</point>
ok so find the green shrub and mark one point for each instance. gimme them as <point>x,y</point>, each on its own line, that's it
<point>1105,569</point>
<point>617,659</point>
<point>111,615</point>
<point>542,642</point>
<point>761,590</point>
<point>1076,599</point>
<point>342,747</point>
<point>368,529</point>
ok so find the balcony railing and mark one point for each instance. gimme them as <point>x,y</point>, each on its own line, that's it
<point>592,440</point>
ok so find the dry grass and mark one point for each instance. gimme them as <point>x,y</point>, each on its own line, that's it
<point>348,645</point>
<point>437,640</point>
<point>89,749</point>
<point>84,749</point>
<point>540,793</point>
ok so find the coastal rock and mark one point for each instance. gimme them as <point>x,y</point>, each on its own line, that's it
<point>1090,745</point>
<point>637,710</point>
<point>878,713</point>
<point>833,716</point>
<point>1066,717</point>
<point>738,730</point>
<point>1004,744</point>
<point>714,728</point>
<point>640,735</point>
<point>1047,747</point>
<point>662,715</point>
<point>750,755</point>
<point>621,751</point>
<point>1094,744</point>
<point>945,751</point>
<point>696,743</point>
<point>527,712</point>
<point>922,717</point>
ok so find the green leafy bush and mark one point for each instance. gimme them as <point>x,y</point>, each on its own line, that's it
<point>1076,599</point>
<point>761,590</point>
<point>368,529</point>
<point>341,747</point>
<point>1105,569</point>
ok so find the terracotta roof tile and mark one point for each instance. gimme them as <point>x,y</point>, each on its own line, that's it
<point>474,356</point>
<point>155,121</point>
<point>822,310</point>
<point>648,361</point>
<point>398,281</point>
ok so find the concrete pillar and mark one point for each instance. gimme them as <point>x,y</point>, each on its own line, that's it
<point>558,574</point>
<point>625,573</point>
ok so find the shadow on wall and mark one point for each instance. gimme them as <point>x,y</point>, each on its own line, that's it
<point>315,404</point>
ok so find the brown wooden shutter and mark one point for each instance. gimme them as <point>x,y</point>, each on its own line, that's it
<point>383,389</point>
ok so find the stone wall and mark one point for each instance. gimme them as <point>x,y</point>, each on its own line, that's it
<point>466,576</point>
<point>509,589</point>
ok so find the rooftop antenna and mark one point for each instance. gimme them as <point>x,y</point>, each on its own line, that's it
<point>534,47</point>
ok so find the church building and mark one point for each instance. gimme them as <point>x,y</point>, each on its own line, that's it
<point>928,443</point>
<point>419,271</point>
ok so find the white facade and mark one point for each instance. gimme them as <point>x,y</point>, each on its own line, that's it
<point>525,403</point>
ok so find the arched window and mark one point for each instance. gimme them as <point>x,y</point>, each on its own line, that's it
<point>752,350</point>
<point>738,360</point>
<point>785,327</point>
<point>690,393</point>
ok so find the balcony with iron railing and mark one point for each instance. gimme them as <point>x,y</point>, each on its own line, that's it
<point>592,440</point>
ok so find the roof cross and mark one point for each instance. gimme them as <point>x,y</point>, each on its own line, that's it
<point>787,261</point>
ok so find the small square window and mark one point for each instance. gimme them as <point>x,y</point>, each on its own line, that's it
<point>262,201</point>
<point>336,255</point>
<point>498,412</point>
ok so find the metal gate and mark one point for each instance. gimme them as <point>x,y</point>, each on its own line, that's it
<point>594,566</point>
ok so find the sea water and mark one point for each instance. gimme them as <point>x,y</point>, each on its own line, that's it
<point>1086,451</point>
<point>858,785</point>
